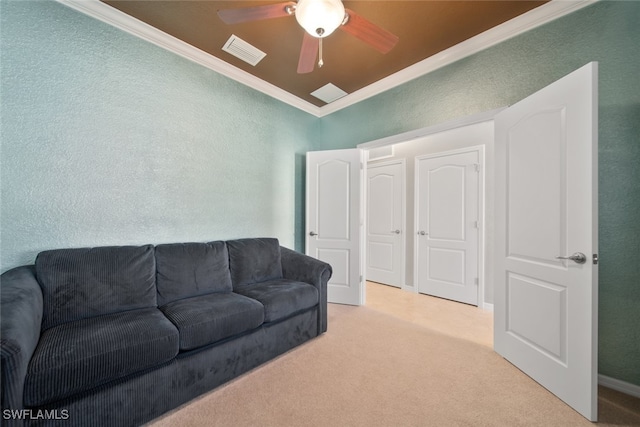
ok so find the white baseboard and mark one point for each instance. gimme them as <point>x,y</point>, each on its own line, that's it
<point>618,385</point>
<point>409,288</point>
<point>487,306</point>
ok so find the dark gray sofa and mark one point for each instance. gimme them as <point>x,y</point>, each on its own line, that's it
<point>117,336</point>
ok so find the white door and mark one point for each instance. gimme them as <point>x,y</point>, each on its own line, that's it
<point>385,223</point>
<point>546,207</point>
<point>448,225</point>
<point>334,218</point>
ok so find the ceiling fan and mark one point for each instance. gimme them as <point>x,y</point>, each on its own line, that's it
<point>319,18</point>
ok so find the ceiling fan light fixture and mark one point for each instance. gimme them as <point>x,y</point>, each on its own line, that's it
<point>320,18</point>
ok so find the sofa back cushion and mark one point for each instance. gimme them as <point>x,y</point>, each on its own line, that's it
<point>254,260</point>
<point>190,269</point>
<point>88,282</point>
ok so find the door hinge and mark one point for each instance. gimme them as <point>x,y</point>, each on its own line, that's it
<point>476,281</point>
<point>477,166</point>
<point>595,259</point>
<point>476,224</point>
<point>361,278</point>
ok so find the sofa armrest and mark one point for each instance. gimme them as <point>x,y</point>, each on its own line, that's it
<point>20,323</point>
<point>303,268</point>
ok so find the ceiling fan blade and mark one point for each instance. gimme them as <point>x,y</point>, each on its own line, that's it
<point>308,54</point>
<point>368,32</point>
<point>247,14</point>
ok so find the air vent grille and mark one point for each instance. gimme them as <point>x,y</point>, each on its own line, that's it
<point>243,50</point>
<point>329,93</point>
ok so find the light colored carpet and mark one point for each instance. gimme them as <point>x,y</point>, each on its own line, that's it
<point>374,368</point>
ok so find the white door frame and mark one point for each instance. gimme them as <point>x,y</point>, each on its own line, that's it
<point>480,149</point>
<point>431,130</point>
<point>483,117</point>
<point>403,212</point>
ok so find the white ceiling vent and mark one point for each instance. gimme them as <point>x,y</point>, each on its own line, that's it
<point>243,50</point>
<point>329,93</point>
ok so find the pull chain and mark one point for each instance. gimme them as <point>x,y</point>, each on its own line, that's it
<point>320,61</point>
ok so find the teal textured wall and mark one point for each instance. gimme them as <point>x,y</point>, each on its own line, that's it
<point>107,139</point>
<point>608,32</point>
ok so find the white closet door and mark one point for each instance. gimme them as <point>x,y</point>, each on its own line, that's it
<point>448,225</point>
<point>385,223</point>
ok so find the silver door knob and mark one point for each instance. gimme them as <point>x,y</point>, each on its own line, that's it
<point>311,233</point>
<point>422,233</point>
<point>395,231</point>
<point>577,257</point>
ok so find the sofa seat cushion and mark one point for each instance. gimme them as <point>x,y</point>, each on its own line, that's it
<point>281,298</point>
<point>209,318</point>
<point>78,356</point>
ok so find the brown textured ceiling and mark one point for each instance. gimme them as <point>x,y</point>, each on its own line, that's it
<point>423,27</point>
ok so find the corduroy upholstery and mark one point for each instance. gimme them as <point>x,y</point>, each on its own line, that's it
<point>187,270</point>
<point>209,318</point>
<point>281,298</point>
<point>82,283</point>
<point>302,268</point>
<point>82,333</point>
<point>254,260</point>
<point>21,311</point>
<point>137,399</point>
<point>77,356</point>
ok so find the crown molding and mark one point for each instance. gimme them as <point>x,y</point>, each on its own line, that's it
<point>541,15</point>
<point>114,17</point>
<point>518,25</point>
